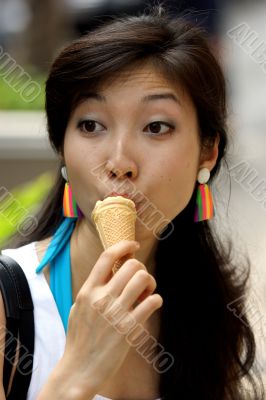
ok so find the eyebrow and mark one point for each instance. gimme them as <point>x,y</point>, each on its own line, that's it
<point>161,96</point>
<point>145,99</point>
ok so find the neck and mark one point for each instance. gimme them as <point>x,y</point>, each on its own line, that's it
<point>86,248</point>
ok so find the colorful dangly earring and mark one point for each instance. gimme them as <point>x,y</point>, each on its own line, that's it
<point>70,207</point>
<point>204,202</point>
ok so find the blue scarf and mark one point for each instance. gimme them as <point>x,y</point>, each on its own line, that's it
<point>58,256</point>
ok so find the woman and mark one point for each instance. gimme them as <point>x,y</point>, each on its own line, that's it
<point>136,107</point>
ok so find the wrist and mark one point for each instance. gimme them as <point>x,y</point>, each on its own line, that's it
<point>65,384</point>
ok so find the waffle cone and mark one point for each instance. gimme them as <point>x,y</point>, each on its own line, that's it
<point>115,219</point>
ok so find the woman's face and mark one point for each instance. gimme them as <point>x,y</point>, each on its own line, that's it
<point>144,129</point>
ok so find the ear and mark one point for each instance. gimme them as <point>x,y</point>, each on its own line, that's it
<point>209,154</point>
<point>61,157</point>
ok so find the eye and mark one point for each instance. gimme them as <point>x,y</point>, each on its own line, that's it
<point>90,126</point>
<point>159,128</point>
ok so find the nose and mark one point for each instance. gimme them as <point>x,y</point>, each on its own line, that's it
<point>121,170</point>
<point>121,164</point>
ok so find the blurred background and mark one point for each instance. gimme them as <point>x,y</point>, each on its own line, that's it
<point>31,34</point>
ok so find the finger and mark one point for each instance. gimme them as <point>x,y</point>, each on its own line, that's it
<point>103,267</point>
<point>147,307</point>
<point>121,278</point>
<point>138,316</point>
<point>140,282</point>
<point>144,295</point>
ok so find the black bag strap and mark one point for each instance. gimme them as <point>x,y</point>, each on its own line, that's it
<point>20,327</point>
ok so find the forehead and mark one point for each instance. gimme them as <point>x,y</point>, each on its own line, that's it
<point>144,77</point>
<point>133,86</point>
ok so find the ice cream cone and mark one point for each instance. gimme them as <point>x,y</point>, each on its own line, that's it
<point>115,219</point>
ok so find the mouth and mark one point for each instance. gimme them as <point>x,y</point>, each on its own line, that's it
<point>113,194</point>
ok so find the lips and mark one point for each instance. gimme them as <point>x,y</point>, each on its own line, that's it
<point>113,194</point>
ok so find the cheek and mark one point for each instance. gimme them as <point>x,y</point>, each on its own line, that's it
<point>178,181</point>
<point>183,180</point>
<point>187,179</point>
<point>80,162</point>
<point>79,157</point>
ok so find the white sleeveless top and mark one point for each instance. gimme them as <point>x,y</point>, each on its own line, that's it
<point>50,338</point>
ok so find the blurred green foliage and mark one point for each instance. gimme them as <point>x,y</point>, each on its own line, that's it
<point>11,99</point>
<point>23,201</point>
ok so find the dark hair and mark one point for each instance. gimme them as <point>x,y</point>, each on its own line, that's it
<point>212,348</point>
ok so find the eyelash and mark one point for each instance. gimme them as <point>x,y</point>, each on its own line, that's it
<point>82,123</point>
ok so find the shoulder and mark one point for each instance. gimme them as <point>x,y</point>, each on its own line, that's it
<point>29,255</point>
<point>25,256</point>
